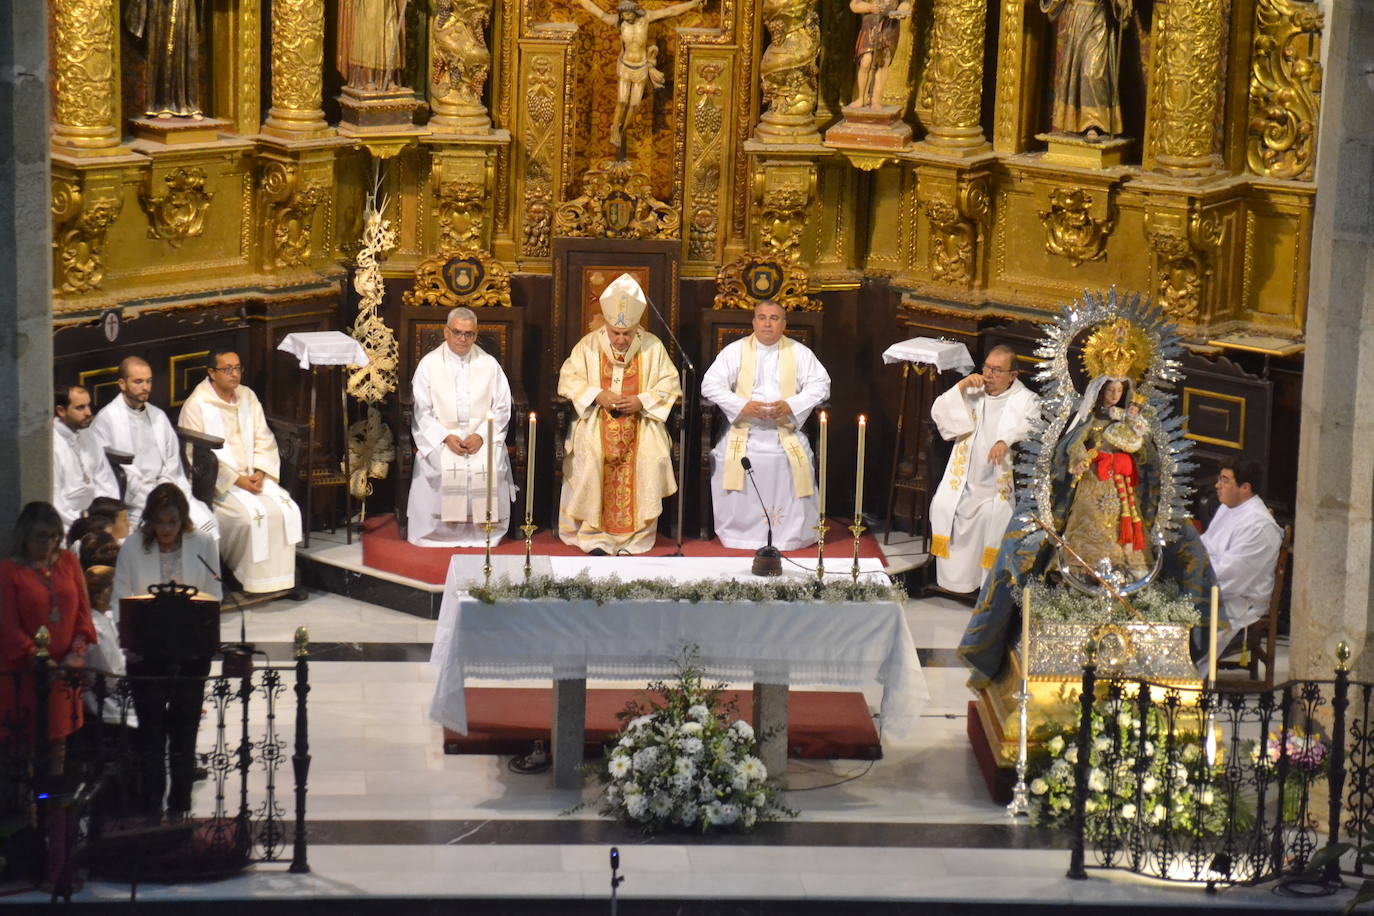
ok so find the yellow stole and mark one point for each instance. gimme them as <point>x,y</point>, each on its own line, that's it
<point>737,442</point>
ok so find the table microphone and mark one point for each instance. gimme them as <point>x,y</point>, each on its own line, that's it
<point>767,559</point>
<point>238,659</point>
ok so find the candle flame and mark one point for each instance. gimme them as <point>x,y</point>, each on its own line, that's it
<point>863,421</point>
<point>532,416</point>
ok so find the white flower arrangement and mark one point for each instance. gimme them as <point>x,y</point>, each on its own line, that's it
<point>689,763</point>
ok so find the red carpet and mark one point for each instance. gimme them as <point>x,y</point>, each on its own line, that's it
<point>507,720</point>
<point>385,549</point>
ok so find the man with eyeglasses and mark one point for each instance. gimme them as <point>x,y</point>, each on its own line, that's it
<point>985,414</point>
<point>80,471</point>
<point>456,386</point>
<point>259,523</point>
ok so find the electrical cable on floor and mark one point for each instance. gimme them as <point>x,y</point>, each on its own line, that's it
<point>860,775</point>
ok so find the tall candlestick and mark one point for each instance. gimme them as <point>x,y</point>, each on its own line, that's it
<point>1025,631</point>
<point>825,452</point>
<point>491,460</point>
<point>1212,639</point>
<point>859,478</point>
<point>529,469</point>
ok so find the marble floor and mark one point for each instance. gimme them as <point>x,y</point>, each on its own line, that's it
<point>392,816</point>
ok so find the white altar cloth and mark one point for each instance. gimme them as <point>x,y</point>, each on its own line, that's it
<point>927,351</point>
<point>812,643</point>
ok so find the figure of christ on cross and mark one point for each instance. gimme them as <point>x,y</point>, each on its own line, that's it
<point>638,57</point>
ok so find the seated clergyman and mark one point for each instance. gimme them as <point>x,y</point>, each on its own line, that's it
<point>456,386</point>
<point>618,467</point>
<point>767,384</point>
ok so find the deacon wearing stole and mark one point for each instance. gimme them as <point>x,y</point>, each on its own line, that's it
<point>985,414</point>
<point>767,385</point>
<point>618,466</point>
<point>132,425</point>
<point>455,387</point>
<point>259,523</point>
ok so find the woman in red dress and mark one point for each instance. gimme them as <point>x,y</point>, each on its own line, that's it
<point>41,585</point>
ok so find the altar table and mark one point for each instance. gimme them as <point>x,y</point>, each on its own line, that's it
<point>772,644</point>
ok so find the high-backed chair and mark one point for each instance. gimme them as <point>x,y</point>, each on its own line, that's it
<point>1262,636</point>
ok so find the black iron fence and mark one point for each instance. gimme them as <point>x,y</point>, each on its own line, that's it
<point>80,800</point>
<point>1217,786</point>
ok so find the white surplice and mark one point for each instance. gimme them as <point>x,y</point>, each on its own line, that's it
<point>973,504</point>
<point>80,472</point>
<point>739,520</point>
<point>147,434</point>
<point>258,532</point>
<point>1243,544</point>
<point>476,384</point>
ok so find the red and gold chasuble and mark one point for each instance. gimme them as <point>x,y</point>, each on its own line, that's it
<point>619,447</point>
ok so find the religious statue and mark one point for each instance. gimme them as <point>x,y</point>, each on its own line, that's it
<point>788,68</point>
<point>877,42</point>
<point>372,41</point>
<point>461,59</point>
<point>1087,59</point>
<point>171,29</point>
<point>637,56</point>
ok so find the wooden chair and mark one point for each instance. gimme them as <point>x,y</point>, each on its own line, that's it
<point>1261,637</point>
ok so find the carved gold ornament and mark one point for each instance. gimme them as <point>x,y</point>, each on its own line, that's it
<point>1070,230</point>
<point>81,231</point>
<point>1187,84</point>
<point>788,70</point>
<point>954,232</point>
<point>83,61</point>
<point>1285,89</point>
<point>178,214</point>
<point>782,220</point>
<point>540,139</point>
<point>373,382</point>
<point>472,278</point>
<point>1118,349</point>
<point>952,86</point>
<point>749,280</point>
<point>1184,255</point>
<point>708,117</point>
<point>292,205</point>
<point>460,205</point>
<point>461,63</point>
<point>617,202</point>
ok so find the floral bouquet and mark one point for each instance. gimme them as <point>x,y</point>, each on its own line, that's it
<point>1307,755</point>
<point>688,762</point>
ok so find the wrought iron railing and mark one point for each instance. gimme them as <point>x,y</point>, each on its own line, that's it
<point>74,798</point>
<point>1222,786</point>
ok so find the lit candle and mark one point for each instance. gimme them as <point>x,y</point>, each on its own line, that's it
<point>529,469</point>
<point>859,478</point>
<point>825,451</point>
<point>1025,631</point>
<point>491,460</point>
<point>1212,639</point>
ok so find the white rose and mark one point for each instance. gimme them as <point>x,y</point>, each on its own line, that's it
<point>1055,745</point>
<point>698,712</point>
<point>691,728</point>
<point>1097,781</point>
<point>1149,784</point>
<point>1128,811</point>
<point>1071,755</point>
<point>1103,743</point>
<point>1039,786</point>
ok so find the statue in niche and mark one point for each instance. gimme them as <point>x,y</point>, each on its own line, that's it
<point>372,41</point>
<point>873,50</point>
<point>171,30</point>
<point>1087,63</point>
<point>637,56</point>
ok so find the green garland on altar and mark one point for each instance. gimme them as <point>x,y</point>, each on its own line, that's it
<point>1158,602</point>
<point>725,591</point>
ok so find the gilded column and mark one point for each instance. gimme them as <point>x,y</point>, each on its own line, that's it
<point>952,90</point>
<point>789,72</point>
<point>459,64</point>
<point>83,64</point>
<point>297,70</point>
<point>1186,87</point>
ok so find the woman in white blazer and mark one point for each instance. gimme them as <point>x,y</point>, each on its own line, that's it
<point>168,692</point>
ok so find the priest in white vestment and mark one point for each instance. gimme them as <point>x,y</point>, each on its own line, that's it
<point>985,414</point>
<point>80,470</point>
<point>618,465</point>
<point>1243,543</point>
<point>456,386</point>
<point>132,425</point>
<point>259,523</point>
<point>767,384</point>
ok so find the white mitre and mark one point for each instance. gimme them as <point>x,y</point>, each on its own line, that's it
<point>623,303</point>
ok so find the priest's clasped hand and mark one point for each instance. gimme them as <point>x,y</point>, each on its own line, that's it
<point>766,410</point>
<point>463,446</point>
<point>251,482</point>
<point>619,404</point>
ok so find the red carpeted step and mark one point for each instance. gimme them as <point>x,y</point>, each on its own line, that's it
<point>385,549</point>
<point>507,720</point>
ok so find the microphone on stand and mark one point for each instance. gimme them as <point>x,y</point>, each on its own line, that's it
<point>238,659</point>
<point>688,368</point>
<point>767,559</point>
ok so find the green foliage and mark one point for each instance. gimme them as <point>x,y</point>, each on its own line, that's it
<point>1159,602</point>
<point>725,591</point>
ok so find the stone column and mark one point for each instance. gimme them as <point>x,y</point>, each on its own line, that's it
<point>297,70</point>
<point>1333,591</point>
<point>952,89</point>
<point>83,119</point>
<point>25,261</point>
<point>1186,86</point>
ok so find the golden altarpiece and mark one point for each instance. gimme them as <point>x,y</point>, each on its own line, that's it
<point>942,204</point>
